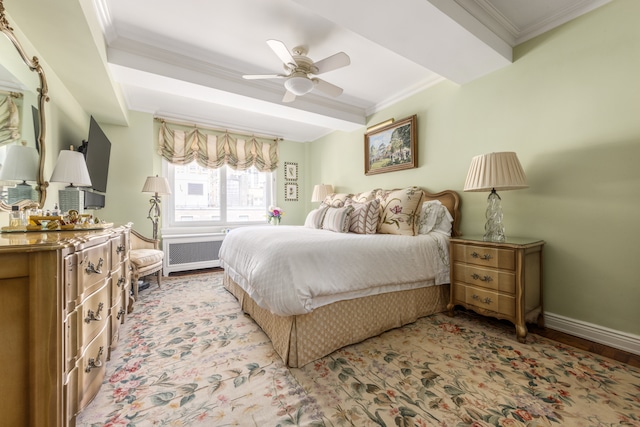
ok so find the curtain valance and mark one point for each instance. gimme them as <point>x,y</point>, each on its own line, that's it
<point>211,149</point>
<point>9,121</point>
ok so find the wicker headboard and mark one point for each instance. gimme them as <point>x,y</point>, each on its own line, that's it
<point>451,200</point>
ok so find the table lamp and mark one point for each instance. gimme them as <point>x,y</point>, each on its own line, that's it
<point>492,172</point>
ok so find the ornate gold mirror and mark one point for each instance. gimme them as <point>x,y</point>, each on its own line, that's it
<point>23,95</point>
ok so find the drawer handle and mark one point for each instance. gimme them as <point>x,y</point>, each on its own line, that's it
<point>486,300</point>
<point>121,281</point>
<point>94,269</point>
<point>120,313</point>
<point>95,363</point>
<point>485,257</point>
<point>120,248</point>
<point>482,278</point>
<point>94,316</point>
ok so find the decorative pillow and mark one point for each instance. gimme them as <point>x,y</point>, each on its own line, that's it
<point>336,200</point>
<point>337,219</point>
<point>434,216</point>
<point>315,217</point>
<point>399,210</point>
<point>364,219</point>
<point>364,196</point>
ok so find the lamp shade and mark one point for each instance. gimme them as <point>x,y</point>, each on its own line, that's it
<point>21,164</point>
<point>299,84</point>
<point>157,185</point>
<point>71,168</point>
<point>499,171</point>
<point>321,191</point>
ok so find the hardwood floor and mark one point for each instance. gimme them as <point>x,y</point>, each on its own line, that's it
<point>583,344</point>
<point>580,343</point>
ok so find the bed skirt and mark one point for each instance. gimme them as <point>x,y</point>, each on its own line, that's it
<point>304,338</point>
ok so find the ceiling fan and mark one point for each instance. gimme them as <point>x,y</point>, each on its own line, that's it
<point>300,71</point>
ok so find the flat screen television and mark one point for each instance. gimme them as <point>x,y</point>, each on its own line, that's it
<point>97,150</point>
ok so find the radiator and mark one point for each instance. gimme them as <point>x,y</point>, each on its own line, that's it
<point>191,251</point>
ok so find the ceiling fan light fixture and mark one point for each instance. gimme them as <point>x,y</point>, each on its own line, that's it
<point>299,85</point>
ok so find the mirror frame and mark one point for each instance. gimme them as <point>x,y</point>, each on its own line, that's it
<point>34,65</point>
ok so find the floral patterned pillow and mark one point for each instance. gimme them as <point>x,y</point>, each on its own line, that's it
<point>337,219</point>
<point>399,210</point>
<point>365,196</point>
<point>364,219</point>
<point>336,200</point>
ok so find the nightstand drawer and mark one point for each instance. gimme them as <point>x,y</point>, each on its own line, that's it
<point>497,280</point>
<point>487,300</point>
<point>488,257</point>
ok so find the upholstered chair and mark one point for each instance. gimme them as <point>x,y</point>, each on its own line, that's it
<point>146,259</point>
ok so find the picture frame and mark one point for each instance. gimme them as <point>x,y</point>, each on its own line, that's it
<point>391,147</point>
<point>291,191</point>
<point>290,171</point>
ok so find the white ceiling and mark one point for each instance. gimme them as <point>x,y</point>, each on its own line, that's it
<point>185,60</point>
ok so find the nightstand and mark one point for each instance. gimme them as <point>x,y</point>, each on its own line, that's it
<point>498,279</point>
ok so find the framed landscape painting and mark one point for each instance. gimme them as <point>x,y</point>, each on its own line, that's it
<point>391,147</point>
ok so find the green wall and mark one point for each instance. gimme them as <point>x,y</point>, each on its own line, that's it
<point>569,106</point>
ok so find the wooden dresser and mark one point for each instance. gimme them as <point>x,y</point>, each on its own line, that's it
<point>502,280</point>
<point>63,296</point>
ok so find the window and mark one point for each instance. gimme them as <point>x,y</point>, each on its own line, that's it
<point>202,196</point>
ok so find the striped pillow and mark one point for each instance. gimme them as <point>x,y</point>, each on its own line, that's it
<point>364,219</point>
<point>315,217</point>
<point>338,219</point>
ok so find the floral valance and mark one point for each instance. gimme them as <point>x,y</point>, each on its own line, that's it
<point>211,149</point>
<point>9,121</point>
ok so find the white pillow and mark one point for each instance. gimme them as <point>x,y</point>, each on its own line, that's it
<point>315,217</point>
<point>434,216</point>
<point>337,219</point>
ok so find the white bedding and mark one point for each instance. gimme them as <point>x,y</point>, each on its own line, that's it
<point>293,269</point>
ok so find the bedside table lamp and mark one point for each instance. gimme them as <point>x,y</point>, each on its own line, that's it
<point>320,191</point>
<point>157,185</point>
<point>492,172</point>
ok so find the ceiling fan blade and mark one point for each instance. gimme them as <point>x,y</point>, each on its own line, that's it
<point>263,76</point>
<point>281,50</point>
<point>332,62</point>
<point>289,97</point>
<point>327,87</point>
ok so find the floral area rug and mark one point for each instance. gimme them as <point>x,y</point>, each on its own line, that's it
<point>187,356</point>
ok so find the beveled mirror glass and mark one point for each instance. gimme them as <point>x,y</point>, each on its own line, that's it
<point>22,85</point>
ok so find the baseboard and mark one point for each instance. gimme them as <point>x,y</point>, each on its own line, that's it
<point>600,334</point>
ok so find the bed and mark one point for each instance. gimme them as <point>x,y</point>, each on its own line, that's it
<point>314,290</point>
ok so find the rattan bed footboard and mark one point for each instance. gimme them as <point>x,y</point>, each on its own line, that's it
<point>304,338</point>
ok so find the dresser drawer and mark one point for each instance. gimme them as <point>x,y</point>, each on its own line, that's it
<point>94,315</point>
<point>119,250</point>
<point>93,267</point>
<point>92,368</point>
<point>485,299</point>
<point>485,256</point>
<point>71,397</point>
<point>115,320</point>
<point>496,280</point>
<point>70,279</point>
<point>118,280</point>
<point>71,346</point>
